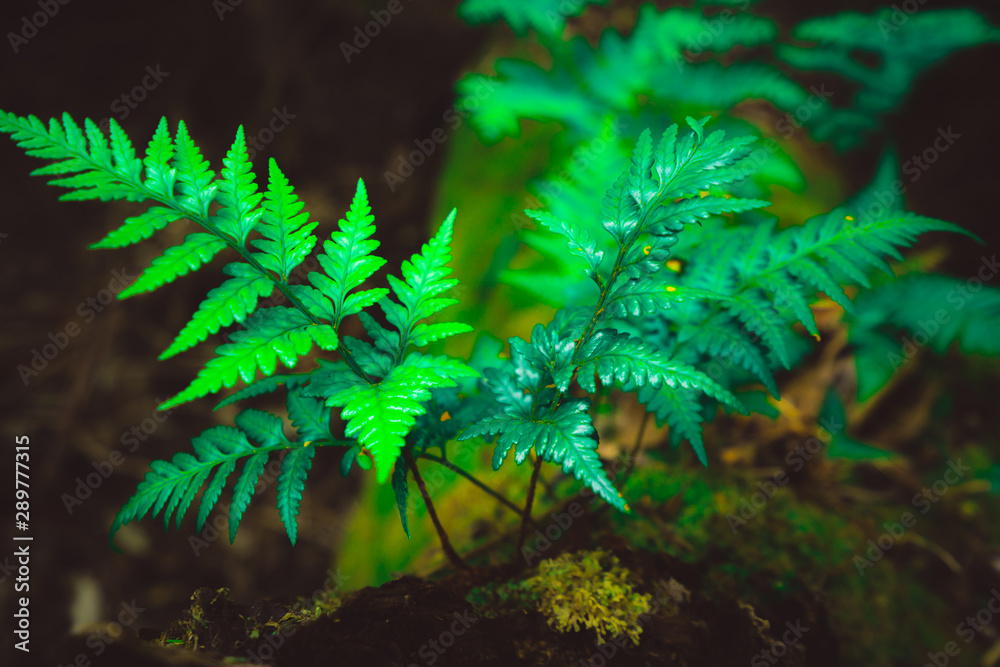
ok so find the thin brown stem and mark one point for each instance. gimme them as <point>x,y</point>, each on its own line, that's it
<point>453,557</point>
<point>451,466</point>
<point>635,451</point>
<point>526,517</point>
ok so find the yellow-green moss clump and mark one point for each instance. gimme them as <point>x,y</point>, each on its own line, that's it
<point>589,589</point>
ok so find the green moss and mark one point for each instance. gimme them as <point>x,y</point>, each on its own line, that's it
<point>589,589</point>
<point>789,544</point>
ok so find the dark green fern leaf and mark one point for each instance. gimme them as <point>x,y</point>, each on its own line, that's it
<point>618,358</point>
<point>887,330</point>
<point>171,486</point>
<point>399,487</point>
<point>562,436</point>
<point>291,481</point>
<point>266,386</point>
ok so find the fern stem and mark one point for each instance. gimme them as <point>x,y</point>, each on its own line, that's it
<point>455,559</point>
<point>526,517</point>
<point>635,451</point>
<point>467,475</point>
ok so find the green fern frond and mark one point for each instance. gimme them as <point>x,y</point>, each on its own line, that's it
<point>617,357</point>
<point>176,261</point>
<point>347,260</point>
<point>266,386</point>
<point>401,490</point>
<point>579,241</point>
<point>287,233</point>
<point>272,334</point>
<point>379,415</point>
<point>682,411</point>
<point>949,311</point>
<point>231,302</point>
<point>309,417</point>
<point>721,339</point>
<point>160,175</point>
<point>678,168</point>
<point>170,486</point>
<point>903,48</point>
<point>291,481</point>
<point>424,277</point>
<point>196,185</point>
<point>635,298</point>
<point>138,228</point>
<point>562,435</point>
<point>237,193</point>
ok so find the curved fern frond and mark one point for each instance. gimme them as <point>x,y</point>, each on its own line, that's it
<point>272,334</point>
<point>616,357</point>
<point>561,435</point>
<point>231,302</point>
<point>170,486</point>
<point>951,311</point>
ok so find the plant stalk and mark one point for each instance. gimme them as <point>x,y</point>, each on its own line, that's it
<point>526,517</point>
<point>455,559</point>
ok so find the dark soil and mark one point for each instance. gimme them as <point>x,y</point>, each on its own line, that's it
<point>411,621</point>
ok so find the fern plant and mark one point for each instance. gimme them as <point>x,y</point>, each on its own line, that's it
<point>378,386</point>
<point>643,213</point>
<point>632,323</point>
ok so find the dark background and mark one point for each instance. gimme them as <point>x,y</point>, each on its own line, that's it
<point>351,120</point>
